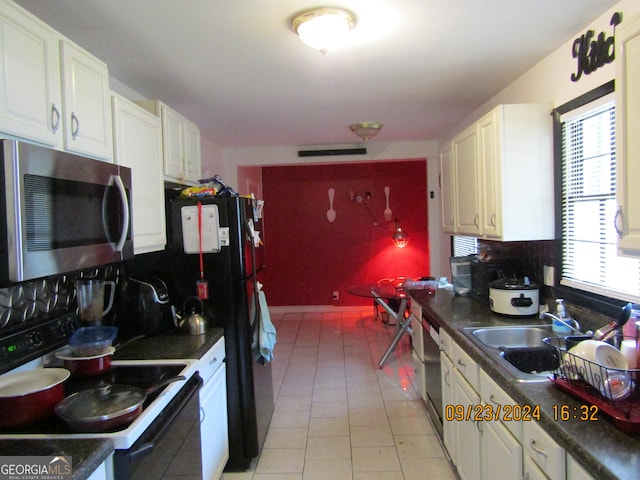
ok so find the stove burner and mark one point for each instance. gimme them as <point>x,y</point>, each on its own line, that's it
<point>143,376</point>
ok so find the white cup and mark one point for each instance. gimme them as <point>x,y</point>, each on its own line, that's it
<point>628,349</point>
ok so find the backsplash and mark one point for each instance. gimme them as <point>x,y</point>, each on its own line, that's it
<point>25,303</point>
<point>531,258</point>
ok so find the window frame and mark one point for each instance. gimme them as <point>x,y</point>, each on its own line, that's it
<point>599,303</point>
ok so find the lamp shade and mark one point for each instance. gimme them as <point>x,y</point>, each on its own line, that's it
<point>400,237</point>
<point>324,29</point>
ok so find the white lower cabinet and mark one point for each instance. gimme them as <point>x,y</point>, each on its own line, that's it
<point>543,450</point>
<point>575,471</point>
<point>214,437</point>
<point>104,470</point>
<point>468,435</point>
<point>494,448</point>
<point>532,471</point>
<point>449,432</point>
<point>501,453</point>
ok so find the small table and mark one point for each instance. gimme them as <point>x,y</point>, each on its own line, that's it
<point>382,293</point>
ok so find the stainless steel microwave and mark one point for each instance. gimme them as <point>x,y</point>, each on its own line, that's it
<point>60,212</point>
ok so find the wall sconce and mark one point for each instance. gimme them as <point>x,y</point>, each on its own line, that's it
<point>400,237</point>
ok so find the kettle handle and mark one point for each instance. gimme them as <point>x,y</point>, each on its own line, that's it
<point>188,300</point>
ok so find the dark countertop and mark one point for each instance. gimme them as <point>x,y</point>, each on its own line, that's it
<point>87,454</point>
<point>170,346</point>
<point>605,451</point>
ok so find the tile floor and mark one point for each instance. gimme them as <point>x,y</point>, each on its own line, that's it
<point>337,416</point>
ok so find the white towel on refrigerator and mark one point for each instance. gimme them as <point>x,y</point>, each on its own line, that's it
<point>267,332</point>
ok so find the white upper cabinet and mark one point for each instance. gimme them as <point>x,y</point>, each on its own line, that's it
<point>30,95</point>
<point>181,144</point>
<point>467,166</point>
<point>51,91</point>
<point>138,145</point>
<point>87,109</point>
<point>503,175</point>
<point>627,139</point>
<point>193,154</point>
<point>447,189</point>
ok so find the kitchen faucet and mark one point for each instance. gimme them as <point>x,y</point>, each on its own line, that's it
<point>569,322</point>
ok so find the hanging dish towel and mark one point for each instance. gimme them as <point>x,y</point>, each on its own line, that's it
<point>267,335</point>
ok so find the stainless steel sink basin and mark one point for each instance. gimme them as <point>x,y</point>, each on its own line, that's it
<point>491,339</point>
<point>516,336</point>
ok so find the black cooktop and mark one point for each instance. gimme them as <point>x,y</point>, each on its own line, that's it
<point>143,376</point>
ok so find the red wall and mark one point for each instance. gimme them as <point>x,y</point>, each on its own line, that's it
<point>308,257</point>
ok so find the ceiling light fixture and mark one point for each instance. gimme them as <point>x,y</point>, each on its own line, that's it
<point>323,28</point>
<point>366,130</point>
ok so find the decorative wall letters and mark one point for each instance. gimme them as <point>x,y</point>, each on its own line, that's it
<point>591,52</point>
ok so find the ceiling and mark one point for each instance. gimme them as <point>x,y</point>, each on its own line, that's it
<point>236,68</point>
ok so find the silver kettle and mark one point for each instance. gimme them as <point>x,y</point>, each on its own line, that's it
<point>194,322</point>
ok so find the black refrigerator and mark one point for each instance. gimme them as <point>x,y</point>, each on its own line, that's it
<point>231,273</point>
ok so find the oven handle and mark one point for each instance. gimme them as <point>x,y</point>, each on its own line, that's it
<point>147,447</point>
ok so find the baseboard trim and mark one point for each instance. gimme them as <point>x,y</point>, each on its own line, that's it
<point>316,308</point>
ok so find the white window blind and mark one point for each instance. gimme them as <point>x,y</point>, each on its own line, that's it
<point>463,246</point>
<point>589,254</point>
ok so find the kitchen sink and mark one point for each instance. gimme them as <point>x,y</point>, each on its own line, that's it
<point>512,337</point>
<point>519,349</point>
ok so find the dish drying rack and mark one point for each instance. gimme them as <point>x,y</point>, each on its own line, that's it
<point>598,385</point>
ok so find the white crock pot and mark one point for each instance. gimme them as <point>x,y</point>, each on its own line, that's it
<point>516,297</point>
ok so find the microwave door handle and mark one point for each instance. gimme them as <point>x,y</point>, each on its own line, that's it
<point>125,212</point>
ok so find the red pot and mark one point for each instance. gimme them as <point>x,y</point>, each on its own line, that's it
<point>30,396</point>
<point>86,366</point>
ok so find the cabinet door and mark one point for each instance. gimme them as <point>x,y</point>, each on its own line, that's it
<point>174,144</point>
<point>138,145</point>
<point>467,182</point>
<point>501,453</point>
<point>467,434</point>
<point>543,450</point>
<point>490,157</point>
<point>447,190</point>
<point>533,472</point>
<point>627,139</point>
<point>192,153</point>
<point>87,109</point>
<point>449,431</point>
<point>30,96</point>
<point>575,471</point>
<point>213,425</point>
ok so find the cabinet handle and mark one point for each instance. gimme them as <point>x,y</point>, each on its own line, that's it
<point>615,222</point>
<point>461,363</point>
<point>493,400</point>
<point>55,118</point>
<point>203,414</point>
<point>213,360</point>
<point>536,449</point>
<point>75,126</point>
<point>476,220</point>
<point>493,220</point>
<point>446,379</point>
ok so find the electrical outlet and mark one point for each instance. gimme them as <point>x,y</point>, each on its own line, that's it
<point>336,295</point>
<point>549,274</point>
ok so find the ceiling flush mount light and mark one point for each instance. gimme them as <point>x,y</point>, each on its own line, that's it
<point>366,130</point>
<point>324,28</point>
<point>400,237</point>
